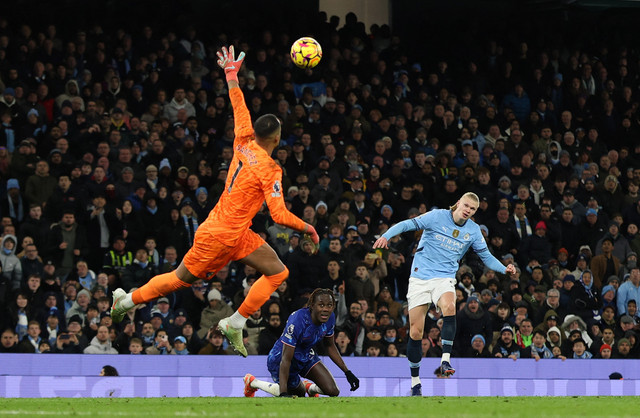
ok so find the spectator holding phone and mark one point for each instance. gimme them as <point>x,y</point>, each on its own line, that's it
<point>161,344</point>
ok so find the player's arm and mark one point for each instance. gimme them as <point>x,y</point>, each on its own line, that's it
<point>285,366</point>
<point>480,247</point>
<point>334,355</point>
<point>272,189</point>
<point>399,228</point>
<point>241,115</point>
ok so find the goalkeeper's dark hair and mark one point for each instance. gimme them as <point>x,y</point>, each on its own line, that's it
<point>110,371</point>
<point>319,291</point>
<point>266,125</point>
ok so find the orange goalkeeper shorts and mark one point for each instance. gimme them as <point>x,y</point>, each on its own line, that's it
<point>208,255</point>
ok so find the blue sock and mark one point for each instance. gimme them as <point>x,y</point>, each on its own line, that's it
<point>448,333</point>
<point>414,355</point>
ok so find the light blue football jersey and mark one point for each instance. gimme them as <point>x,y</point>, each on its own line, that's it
<point>443,244</point>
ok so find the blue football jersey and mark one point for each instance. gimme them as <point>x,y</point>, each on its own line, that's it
<point>301,333</point>
<point>443,243</point>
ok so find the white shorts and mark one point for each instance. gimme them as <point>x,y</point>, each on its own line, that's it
<point>424,292</point>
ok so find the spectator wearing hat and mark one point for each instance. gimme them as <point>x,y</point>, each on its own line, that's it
<point>574,323</point>
<point>394,307</point>
<point>582,264</point>
<point>568,284</point>
<point>621,247</point>
<point>478,348</point>
<point>506,347</point>
<point>461,156</point>
<point>536,246</point>
<point>586,302</point>
<point>212,314</point>
<point>9,103</point>
<point>629,290</point>
<point>472,320</point>
<point>630,262</point>
<point>180,345</point>
<point>592,229</point>
<point>298,161</point>
<point>604,264</point>
<point>623,349</point>
<point>12,204</point>
<point>605,352</point>
<point>202,204</point>
<point>569,201</point>
<point>190,219</point>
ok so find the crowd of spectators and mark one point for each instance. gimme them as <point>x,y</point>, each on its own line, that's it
<point>115,146</point>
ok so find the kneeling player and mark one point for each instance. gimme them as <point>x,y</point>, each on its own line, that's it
<point>292,356</point>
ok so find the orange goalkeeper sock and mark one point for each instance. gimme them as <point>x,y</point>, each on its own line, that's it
<point>160,285</point>
<point>260,292</point>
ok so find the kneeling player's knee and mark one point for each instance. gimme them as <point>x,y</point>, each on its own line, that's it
<point>333,391</point>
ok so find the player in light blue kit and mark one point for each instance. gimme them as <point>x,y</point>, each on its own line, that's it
<point>293,356</point>
<point>446,237</point>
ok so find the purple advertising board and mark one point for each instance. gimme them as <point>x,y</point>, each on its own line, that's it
<point>44,375</point>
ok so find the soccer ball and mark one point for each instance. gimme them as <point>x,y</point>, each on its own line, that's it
<point>306,52</point>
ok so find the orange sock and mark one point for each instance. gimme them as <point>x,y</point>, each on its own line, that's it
<point>160,285</point>
<point>260,292</point>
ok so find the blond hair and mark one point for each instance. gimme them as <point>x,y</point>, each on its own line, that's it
<point>469,195</point>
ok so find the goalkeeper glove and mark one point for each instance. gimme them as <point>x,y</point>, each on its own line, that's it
<point>230,65</point>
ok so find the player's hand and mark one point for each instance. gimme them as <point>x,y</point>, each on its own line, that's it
<point>511,269</point>
<point>311,231</point>
<point>352,379</point>
<point>227,61</point>
<point>381,243</point>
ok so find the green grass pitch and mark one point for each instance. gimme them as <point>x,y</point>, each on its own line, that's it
<point>324,407</point>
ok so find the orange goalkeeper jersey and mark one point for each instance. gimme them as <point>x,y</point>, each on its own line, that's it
<point>253,178</point>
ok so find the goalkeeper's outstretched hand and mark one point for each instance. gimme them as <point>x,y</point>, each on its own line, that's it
<point>311,231</point>
<point>228,62</point>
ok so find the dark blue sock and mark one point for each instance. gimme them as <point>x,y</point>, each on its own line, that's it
<point>414,355</point>
<point>448,333</point>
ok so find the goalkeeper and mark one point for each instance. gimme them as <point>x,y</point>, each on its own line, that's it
<point>225,235</point>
